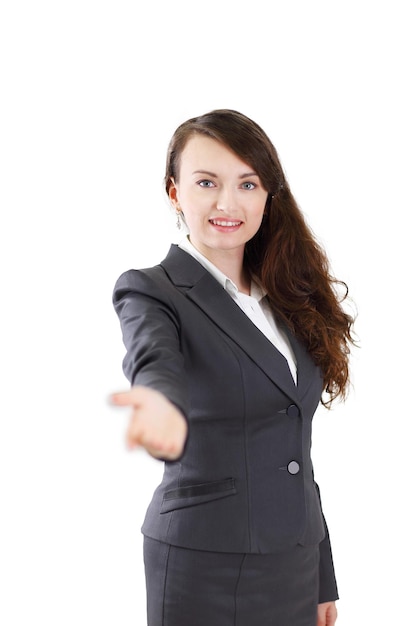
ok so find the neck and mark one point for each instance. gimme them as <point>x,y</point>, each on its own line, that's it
<point>230,262</point>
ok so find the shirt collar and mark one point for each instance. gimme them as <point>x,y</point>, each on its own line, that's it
<point>256,290</point>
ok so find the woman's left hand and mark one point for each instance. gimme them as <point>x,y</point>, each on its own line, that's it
<point>326,614</point>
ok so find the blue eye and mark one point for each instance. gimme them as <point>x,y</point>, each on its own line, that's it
<point>205,183</point>
<point>248,185</point>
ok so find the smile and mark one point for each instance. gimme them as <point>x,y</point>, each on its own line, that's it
<point>225,222</point>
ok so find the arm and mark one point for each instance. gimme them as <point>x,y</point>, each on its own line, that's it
<point>326,611</point>
<point>153,364</point>
<point>328,593</point>
<point>328,586</point>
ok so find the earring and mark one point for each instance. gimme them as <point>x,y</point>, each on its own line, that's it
<point>178,219</point>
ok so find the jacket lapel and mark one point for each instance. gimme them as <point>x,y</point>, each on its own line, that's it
<point>205,291</point>
<point>307,370</point>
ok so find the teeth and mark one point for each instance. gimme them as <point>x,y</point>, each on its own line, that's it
<point>224,223</point>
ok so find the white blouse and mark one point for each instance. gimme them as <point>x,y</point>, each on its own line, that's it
<point>256,306</point>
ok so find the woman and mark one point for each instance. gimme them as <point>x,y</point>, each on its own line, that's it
<point>232,341</point>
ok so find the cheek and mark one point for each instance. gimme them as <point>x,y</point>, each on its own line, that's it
<point>192,212</point>
<point>258,213</point>
<point>256,220</point>
<point>196,203</point>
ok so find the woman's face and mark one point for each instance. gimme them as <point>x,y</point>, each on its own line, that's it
<point>221,197</point>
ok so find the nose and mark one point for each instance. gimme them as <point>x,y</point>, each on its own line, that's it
<point>225,199</point>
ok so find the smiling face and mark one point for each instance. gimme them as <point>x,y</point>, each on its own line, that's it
<point>221,197</point>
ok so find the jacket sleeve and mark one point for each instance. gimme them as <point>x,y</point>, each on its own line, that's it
<point>151,334</point>
<point>328,591</point>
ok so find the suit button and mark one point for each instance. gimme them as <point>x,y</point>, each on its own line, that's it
<point>293,467</point>
<point>293,411</point>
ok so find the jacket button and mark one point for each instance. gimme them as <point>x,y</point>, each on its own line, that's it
<point>293,467</point>
<point>293,411</point>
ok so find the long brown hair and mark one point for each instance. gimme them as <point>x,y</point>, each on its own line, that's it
<point>284,255</point>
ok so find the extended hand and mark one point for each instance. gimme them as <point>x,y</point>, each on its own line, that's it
<point>155,423</point>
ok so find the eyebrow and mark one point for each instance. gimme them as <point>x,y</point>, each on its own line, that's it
<point>213,175</point>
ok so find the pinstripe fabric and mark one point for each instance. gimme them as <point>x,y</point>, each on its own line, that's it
<point>196,588</point>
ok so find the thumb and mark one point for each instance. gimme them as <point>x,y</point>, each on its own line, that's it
<point>125,398</point>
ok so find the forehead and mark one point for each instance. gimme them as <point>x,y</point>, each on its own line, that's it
<point>202,152</point>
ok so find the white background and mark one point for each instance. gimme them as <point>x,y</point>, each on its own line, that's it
<point>91,93</point>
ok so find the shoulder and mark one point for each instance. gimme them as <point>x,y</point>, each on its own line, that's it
<point>140,277</point>
<point>178,272</point>
<point>146,276</point>
<point>148,281</point>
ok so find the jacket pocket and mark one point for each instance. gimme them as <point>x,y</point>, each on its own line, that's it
<point>197,494</point>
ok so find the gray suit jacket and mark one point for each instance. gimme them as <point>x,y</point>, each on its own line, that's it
<point>245,480</point>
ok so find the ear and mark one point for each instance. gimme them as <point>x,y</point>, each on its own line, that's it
<point>173,194</point>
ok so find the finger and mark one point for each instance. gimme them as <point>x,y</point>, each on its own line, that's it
<point>135,440</point>
<point>124,398</point>
<point>132,443</point>
<point>157,449</point>
<point>138,435</point>
<point>134,432</point>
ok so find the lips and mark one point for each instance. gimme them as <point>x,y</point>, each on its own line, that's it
<point>225,223</point>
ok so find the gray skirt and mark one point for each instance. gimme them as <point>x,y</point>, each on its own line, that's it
<point>196,588</point>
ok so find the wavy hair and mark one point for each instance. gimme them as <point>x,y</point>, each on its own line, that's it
<point>284,255</point>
